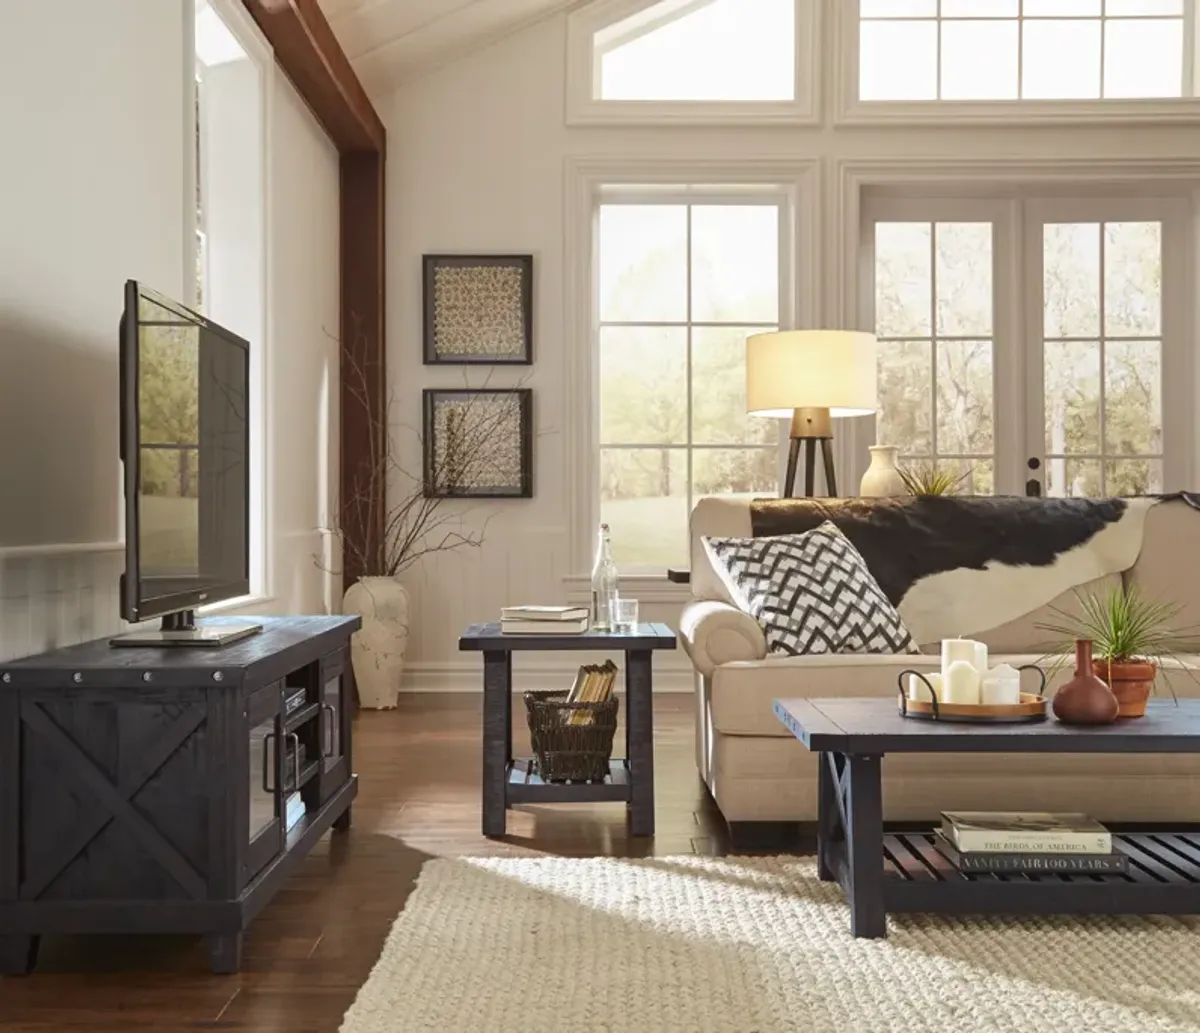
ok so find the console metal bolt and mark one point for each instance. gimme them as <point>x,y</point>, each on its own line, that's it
<point>147,676</point>
<point>77,677</point>
<point>218,676</point>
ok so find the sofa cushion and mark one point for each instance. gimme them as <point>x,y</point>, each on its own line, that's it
<point>742,693</point>
<point>811,593</point>
<point>1168,568</point>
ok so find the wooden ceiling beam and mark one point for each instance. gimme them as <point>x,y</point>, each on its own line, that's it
<point>310,54</point>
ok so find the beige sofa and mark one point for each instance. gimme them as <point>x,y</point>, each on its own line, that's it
<point>757,772</point>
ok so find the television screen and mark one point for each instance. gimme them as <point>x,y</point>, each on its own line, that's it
<point>186,446</point>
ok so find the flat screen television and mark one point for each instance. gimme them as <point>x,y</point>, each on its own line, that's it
<point>185,446</point>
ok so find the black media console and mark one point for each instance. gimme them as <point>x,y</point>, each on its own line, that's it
<point>151,790</point>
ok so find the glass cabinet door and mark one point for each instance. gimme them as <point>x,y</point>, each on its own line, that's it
<point>335,724</point>
<point>264,827</point>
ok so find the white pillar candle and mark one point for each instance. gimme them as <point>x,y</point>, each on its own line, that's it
<point>917,689</point>
<point>961,683</point>
<point>954,649</point>
<point>981,658</point>
<point>1001,686</point>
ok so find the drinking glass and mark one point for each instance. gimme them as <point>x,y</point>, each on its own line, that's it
<point>625,615</point>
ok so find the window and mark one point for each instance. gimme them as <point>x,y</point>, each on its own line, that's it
<point>695,60</point>
<point>232,68</point>
<point>696,50</point>
<point>1103,357</point>
<point>933,316</point>
<point>1069,377</point>
<point>681,284</point>
<point>981,50</point>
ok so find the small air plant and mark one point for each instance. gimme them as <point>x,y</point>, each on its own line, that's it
<point>929,480</point>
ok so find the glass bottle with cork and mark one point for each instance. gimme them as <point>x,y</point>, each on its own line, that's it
<point>604,583</point>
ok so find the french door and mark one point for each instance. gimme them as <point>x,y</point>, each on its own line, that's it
<point>1036,345</point>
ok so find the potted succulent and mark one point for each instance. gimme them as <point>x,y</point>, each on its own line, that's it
<point>927,479</point>
<point>1131,636</point>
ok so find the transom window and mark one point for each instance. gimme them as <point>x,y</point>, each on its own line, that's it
<point>699,50</point>
<point>680,287</point>
<point>1023,49</point>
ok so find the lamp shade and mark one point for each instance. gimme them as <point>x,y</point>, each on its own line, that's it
<point>818,369</point>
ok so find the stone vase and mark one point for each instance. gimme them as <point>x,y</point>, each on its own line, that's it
<point>882,479</point>
<point>1085,699</point>
<point>377,651</point>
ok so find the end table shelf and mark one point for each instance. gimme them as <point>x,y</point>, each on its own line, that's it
<point>525,785</point>
<point>508,780</point>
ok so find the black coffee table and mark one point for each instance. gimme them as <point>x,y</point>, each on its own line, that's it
<point>905,873</point>
<point>507,780</point>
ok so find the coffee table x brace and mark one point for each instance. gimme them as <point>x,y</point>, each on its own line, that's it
<point>508,780</point>
<point>882,873</point>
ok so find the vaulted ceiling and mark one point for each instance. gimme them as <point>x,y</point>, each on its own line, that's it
<point>390,41</point>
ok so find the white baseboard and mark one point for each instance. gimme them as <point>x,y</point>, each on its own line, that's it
<point>467,676</point>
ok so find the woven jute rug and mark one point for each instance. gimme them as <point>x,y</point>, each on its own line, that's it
<point>750,945</point>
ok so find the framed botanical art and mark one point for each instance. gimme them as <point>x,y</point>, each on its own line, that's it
<point>478,443</point>
<point>478,309</point>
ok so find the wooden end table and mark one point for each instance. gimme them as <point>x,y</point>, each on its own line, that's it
<point>508,780</point>
<point>906,873</point>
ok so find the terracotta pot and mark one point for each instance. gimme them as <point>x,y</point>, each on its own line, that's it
<point>1131,682</point>
<point>1085,699</point>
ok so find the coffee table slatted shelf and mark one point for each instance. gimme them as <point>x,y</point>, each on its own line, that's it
<point>525,785</point>
<point>904,872</point>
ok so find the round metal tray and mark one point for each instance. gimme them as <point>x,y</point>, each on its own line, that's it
<point>1031,708</point>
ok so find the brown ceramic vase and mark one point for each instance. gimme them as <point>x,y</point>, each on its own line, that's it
<point>1130,681</point>
<point>1085,699</point>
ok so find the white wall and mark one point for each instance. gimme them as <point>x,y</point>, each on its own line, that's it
<point>94,189</point>
<point>477,165</point>
<point>92,192</point>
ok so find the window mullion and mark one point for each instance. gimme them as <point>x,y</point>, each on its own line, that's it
<point>690,337</point>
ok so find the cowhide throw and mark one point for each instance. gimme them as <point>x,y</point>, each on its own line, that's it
<point>956,567</point>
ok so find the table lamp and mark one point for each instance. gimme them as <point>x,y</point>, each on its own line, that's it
<point>811,376</point>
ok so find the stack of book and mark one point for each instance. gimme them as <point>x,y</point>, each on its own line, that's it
<point>999,842</point>
<point>593,684</point>
<point>543,620</point>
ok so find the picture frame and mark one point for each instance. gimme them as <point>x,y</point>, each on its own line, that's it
<point>477,443</point>
<point>478,310</point>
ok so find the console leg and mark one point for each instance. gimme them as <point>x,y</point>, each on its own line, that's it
<point>224,952</point>
<point>342,822</point>
<point>497,740</point>
<point>639,713</point>
<point>18,954</point>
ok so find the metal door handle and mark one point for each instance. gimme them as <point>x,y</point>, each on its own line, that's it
<point>266,752</point>
<point>327,744</point>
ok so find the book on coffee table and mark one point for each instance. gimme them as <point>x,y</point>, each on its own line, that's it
<point>1011,832</point>
<point>543,613</point>
<point>997,863</point>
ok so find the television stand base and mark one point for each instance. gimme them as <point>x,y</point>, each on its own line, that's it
<point>205,635</point>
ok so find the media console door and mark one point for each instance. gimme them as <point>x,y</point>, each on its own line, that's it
<point>263,829</point>
<point>336,716</point>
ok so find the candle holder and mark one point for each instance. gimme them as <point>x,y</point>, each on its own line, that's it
<point>1032,707</point>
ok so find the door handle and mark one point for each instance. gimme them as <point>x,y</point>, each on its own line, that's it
<point>327,744</point>
<point>266,753</point>
<point>1033,488</point>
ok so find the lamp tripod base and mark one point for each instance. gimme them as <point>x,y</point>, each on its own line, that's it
<point>808,427</point>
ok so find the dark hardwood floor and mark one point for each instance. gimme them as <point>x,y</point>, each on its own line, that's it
<point>313,947</point>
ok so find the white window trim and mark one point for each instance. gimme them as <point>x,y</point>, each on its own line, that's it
<point>849,110</point>
<point>585,109</point>
<point>239,22</point>
<point>587,180</point>
<point>854,178</point>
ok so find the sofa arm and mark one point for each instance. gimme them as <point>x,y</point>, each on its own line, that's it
<point>715,633</point>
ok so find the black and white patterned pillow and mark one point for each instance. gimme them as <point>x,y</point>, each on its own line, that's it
<point>811,593</point>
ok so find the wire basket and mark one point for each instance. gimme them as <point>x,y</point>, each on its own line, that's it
<point>566,751</point>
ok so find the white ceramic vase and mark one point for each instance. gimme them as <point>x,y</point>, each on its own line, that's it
<point>377,651</point>
<point>882,479</point>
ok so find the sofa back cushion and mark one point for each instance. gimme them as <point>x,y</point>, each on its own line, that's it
<point>715,518</point>
<point>1168,568</point>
